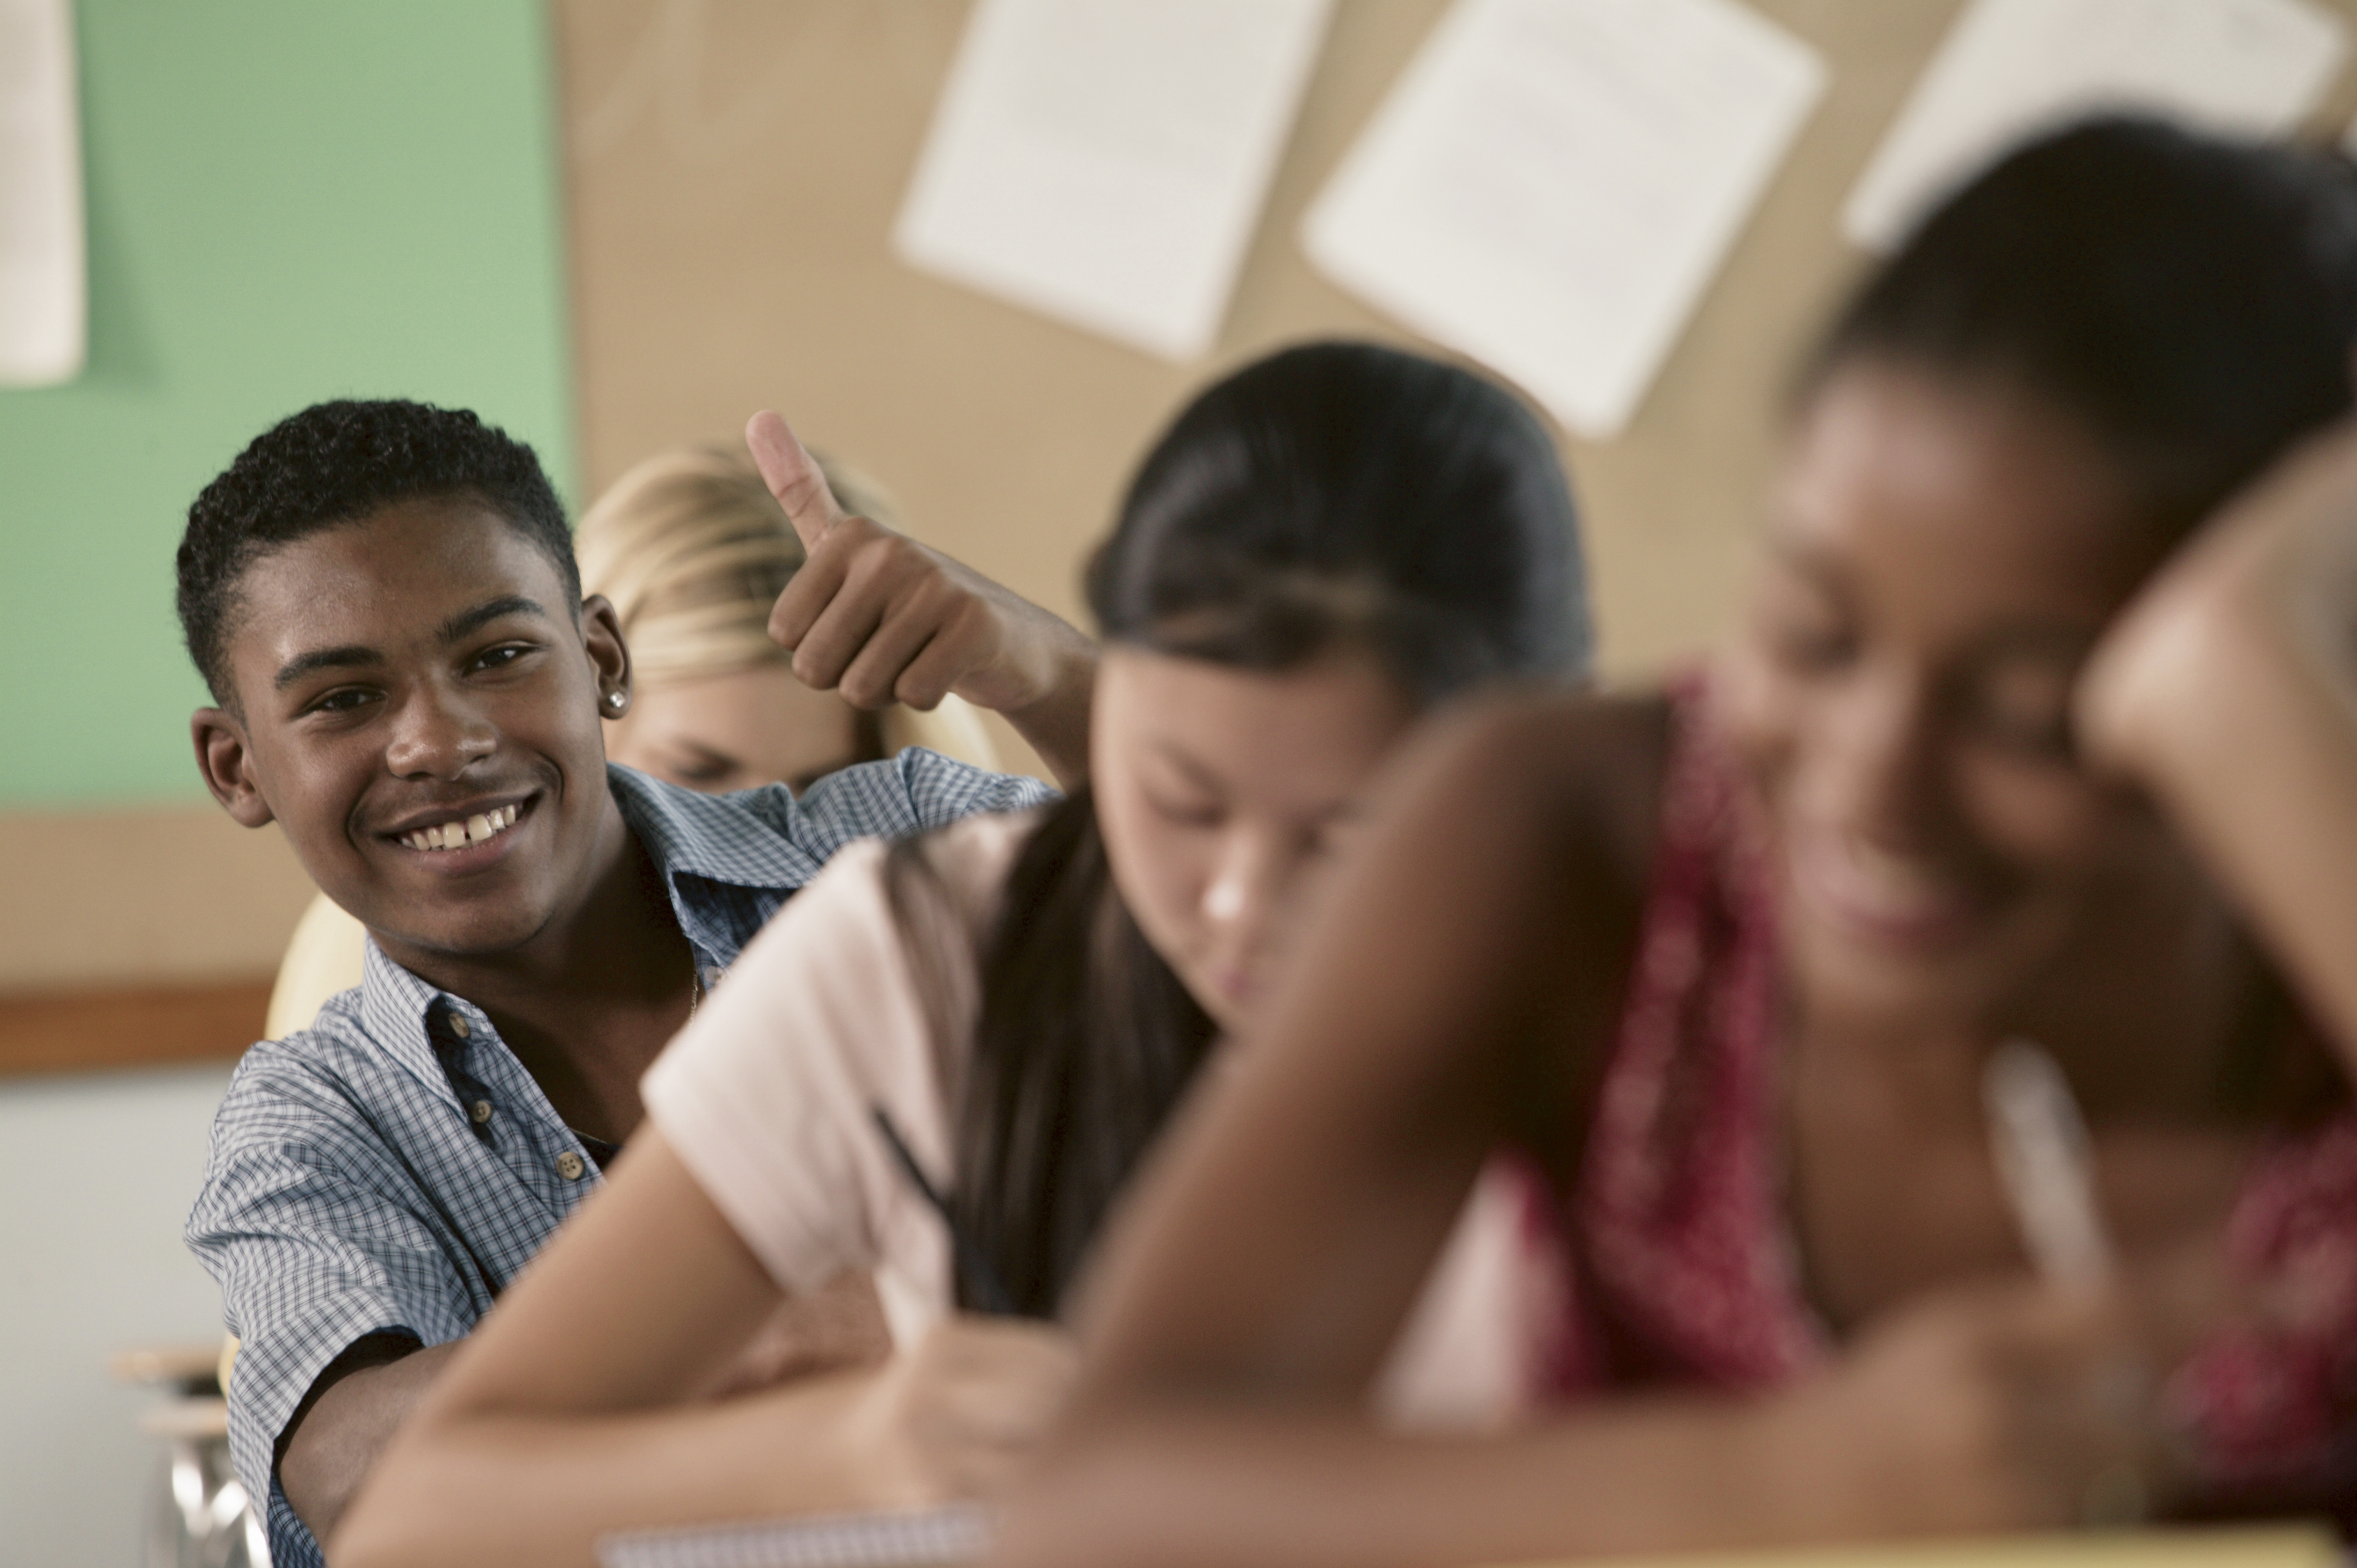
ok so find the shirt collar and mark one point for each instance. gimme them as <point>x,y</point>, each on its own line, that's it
<point>403,1014</point>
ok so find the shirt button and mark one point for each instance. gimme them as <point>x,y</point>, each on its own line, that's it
<point>458,1027</point>
<point>480,1110</point>
<point>570,1165</point>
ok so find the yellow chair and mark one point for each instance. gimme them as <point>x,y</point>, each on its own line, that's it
<point>323,958</point>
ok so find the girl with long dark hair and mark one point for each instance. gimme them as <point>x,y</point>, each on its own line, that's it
<point>944,1062</point>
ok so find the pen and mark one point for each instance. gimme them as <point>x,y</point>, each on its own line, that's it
<point>2045,1164</point>
<point>984,1289</point>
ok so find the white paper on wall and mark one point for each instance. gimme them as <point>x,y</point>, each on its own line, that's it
<point>1553,183</point>
<point>44,309</point>
<point>2010,68</point>
<point>1104,161</point>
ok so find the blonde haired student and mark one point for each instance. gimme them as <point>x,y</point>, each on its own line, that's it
<point>694,552</point>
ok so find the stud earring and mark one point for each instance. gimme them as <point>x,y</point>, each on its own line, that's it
<point>615,700</point>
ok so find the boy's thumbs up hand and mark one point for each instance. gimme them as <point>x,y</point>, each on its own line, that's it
<point>881,618</point>
<point>793,477</point>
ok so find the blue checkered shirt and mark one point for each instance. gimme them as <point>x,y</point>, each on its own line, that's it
<point>392,1168</point>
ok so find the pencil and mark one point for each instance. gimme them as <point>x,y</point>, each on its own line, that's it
<point>984,1290</point>
<point>2045,1164</point>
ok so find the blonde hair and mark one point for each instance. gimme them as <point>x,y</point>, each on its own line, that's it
<point>692,550</point>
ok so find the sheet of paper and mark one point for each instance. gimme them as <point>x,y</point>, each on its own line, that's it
<point>2010,68</point>
<point>44,309</point>
<point>911,1538</point>
<point>1103,161</point>
<point>1553,183</point>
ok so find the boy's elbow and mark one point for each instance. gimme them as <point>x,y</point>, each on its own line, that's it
<point>360,1538</point>
<point>379,1529</point>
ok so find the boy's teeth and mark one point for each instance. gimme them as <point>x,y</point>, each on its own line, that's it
<point>474,830</point>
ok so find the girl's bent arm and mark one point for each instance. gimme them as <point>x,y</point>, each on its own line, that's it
<point>1473,948</point>
<point>2228,691</point>
<point>550,1425</point>
<point>1466,965</point>
<point>574,1409</point>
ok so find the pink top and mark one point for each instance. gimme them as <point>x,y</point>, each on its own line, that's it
<point>769,1094</point>
<point>1683,1265</point>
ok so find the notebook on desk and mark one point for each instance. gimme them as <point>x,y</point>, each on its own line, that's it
<point>916,1538</point>
<point>2276,1546</point>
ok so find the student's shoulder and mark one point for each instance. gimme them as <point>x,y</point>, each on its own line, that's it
<point>942,789</point>
<point>1577,775</point>
<point>861,898</point>
<point>910,793</point>
<point>1562,731</point>
<point>918,790</point>
<point>328,1070</point>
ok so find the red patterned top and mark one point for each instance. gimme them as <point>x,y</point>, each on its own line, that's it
<point>1683,1265</point>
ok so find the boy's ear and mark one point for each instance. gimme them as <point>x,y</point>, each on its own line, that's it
<point>227,762</point>
<point>609,655</point>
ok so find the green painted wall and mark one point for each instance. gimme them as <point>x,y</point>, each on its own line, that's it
<point>289,200</point>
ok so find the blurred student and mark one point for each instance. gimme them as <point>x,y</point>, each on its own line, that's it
<point>383,599</point>
<point>1729,961</point>
<point>1323,547</point>
<point>694,553</point>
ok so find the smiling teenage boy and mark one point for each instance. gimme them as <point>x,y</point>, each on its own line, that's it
<point>383,600</point>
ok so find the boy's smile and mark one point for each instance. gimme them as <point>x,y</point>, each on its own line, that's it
<point>420,713</point>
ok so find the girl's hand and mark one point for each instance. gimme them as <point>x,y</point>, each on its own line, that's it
<point>957,1416</point>
<point>838,1328</point>
<point>2002,1407</point>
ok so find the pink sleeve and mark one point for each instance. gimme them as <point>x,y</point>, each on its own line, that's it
<point>769,1094</point>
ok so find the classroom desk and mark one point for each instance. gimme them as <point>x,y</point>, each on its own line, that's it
<point>2268,1546</point>
<point>940,1538</point>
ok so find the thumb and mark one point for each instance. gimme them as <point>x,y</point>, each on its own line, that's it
<point>792,476</point>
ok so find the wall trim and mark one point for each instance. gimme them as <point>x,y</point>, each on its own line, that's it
<point>109,1030</point>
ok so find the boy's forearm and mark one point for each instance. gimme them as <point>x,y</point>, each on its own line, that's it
<point>337,1442</point>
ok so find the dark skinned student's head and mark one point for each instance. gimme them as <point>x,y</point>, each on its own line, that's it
<point>383,599</point>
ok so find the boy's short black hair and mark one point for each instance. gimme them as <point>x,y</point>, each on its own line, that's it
<point>336,463</point>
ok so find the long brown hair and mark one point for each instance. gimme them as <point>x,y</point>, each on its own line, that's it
<point>1331,494</point>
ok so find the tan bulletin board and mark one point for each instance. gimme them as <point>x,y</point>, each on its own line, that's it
<point>735,168</point>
